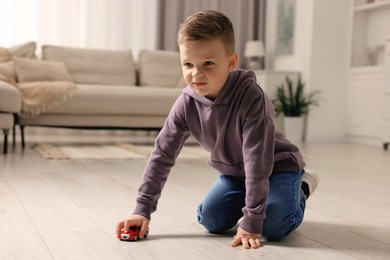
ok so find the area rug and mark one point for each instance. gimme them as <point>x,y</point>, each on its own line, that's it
<point>114,151</point>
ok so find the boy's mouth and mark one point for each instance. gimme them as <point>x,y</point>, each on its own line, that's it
<point>198,84</point>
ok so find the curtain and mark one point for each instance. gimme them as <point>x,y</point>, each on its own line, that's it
<point>120,24</point>
<point>104,24</point>
<point>247,16</point>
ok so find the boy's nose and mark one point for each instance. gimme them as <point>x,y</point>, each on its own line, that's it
<point>196,71</point>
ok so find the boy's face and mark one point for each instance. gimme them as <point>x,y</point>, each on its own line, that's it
<point>206,66</point>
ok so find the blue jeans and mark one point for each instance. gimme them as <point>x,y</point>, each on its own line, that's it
<point>222,207</point>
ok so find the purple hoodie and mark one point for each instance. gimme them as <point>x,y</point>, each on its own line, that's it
<point>237,128</point>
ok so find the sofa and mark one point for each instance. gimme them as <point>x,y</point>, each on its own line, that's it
<point>96,89</point>
<point>10,98</point>
<point>10,105</point>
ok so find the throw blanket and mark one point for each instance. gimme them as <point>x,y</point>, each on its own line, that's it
<point>41,96</point>
<point>44,86</point>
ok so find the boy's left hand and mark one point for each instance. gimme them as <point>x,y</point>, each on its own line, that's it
<point>247,239</point>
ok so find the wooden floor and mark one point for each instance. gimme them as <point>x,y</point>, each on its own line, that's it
<point>68,209</point>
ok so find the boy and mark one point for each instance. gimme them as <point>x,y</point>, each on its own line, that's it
<point>230,116</point>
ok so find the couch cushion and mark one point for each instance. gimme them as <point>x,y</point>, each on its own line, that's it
<point>5,54</point>
<point>159,68</point>
<point>7,72</point>
<point>10,98</point>
<point>25,50</point>
<point>29,70</point>
<point>91,66</point>
<point>119,100</point>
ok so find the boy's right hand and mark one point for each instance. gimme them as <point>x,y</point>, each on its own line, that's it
<point>134,220</point>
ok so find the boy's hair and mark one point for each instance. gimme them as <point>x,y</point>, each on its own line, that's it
<point>206,25</point>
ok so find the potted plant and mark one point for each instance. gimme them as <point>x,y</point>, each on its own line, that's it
<point>294,104</point>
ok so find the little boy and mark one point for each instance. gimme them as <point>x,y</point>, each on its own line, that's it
<point>260,171</point>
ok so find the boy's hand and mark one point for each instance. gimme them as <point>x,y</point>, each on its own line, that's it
<point>247,239</point>
<point>134,220</point>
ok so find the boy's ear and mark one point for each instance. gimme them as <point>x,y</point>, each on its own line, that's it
<point>233,62</point>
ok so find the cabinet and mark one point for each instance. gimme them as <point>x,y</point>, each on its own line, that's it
<point>368,97</point>
<point>364,98</point>
<point>269,80</point>
<point>386,126</point>
<point>370,28</point>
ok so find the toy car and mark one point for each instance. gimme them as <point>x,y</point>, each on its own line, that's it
<point>132,234</point>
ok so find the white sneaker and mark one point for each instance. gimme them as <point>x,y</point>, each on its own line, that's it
<point>311,179</point>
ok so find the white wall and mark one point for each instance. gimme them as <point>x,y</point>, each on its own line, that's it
<point>302,44</point>
<point>328,68</point>
<point>320,54</point>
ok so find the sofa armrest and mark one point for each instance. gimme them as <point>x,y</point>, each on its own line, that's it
<point>10,98</point>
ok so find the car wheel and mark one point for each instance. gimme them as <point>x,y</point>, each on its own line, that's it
<point>135,238</point>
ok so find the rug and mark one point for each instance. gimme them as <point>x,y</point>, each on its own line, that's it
<point>112,151</point>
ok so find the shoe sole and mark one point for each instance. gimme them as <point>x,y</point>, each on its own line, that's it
<point>312,180</point>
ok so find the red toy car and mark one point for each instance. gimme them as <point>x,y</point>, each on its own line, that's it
<point>132,234</point>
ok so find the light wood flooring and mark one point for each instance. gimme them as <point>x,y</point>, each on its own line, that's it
<point>68,209</point>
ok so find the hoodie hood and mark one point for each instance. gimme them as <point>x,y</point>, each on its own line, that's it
<point>236,82</point>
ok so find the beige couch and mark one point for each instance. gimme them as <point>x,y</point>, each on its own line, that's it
<point>112,91</point>
<point>10,105</point>
<point>10,99</point>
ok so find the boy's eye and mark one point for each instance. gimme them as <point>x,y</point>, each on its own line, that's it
<point>208,63</point>
<point>187,65</point>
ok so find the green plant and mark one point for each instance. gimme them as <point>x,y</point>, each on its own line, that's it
<point>293,101</point>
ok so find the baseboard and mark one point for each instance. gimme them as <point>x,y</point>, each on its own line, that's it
<point>328,139</point>
<point>365,140</point>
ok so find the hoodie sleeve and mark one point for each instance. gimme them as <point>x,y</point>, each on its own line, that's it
<point>167,147</point>
<point>258,162</point>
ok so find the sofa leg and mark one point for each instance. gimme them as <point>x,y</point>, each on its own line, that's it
<point>5,145</point>
<point>16,122</point>
<point>22,135</point>
<point>13,137</point>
